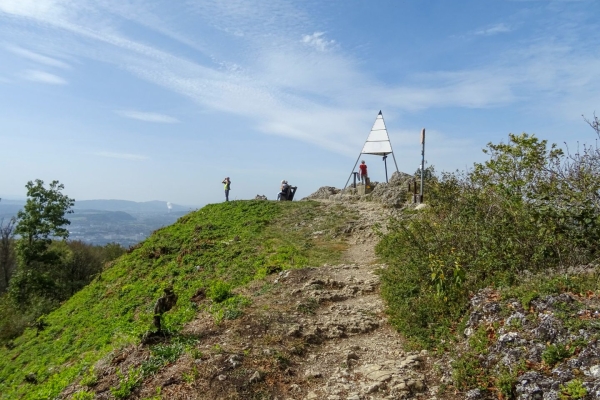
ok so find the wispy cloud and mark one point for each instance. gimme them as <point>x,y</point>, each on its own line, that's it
<point>494,30</point>
<point>317,41</point>
<point>42,77</point>
<point>38,58</point>
<point>243,18</point>
<point>122,156</point>
<point>282,84</point>
<point>147,116</point>
<point>33,8</point>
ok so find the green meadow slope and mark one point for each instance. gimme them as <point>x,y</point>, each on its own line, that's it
<point>217,248</point>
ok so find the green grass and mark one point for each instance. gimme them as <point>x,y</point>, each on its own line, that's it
<point>219,247</point>
<point>573,390</point>
<point>555,353</point>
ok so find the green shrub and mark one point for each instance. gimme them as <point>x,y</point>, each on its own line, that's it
<point>89,378</point>
<point>219,291</point>
<point>15,318</point>
<point>83,395</point>
<point>526,208</point>
<point>467,372</point>
<point>573,390</point>
<point>506,382</point>
<point>229,309</point>
<point>555,353</point>
<point>127,383</point>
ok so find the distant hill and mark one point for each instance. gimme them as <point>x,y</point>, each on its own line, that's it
<point>129,206</point>
<point>106,221</point>
<point>100,216</point>
<point>9,208</point>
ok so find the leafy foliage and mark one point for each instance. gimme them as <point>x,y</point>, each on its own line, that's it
<point>83,395</point>
<point>573,390</point>
<point>529,207</point>
<point>77,264</point>
<point>43,217</point>
<point>127,382</point>
<point>49,269</point>
<point>555,353</point>
<point>219,291</point>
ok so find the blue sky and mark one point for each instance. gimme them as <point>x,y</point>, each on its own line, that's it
<point>160,100</point>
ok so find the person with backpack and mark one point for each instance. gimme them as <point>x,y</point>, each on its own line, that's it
<point>227,184</point>
<point>283,191</point>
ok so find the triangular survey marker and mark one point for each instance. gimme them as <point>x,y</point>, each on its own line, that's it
<point>378,142</point>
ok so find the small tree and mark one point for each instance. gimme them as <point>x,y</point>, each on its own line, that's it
<point>42,219</point>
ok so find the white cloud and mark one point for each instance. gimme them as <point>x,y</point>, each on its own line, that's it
<point>32,8</point>
<point>317,41</point>
<point>494,30</point>
<point>285,87</point>
<point>42,77</point>
<point>123,156</point>
<point>39,58</point>
<point>147,116</point>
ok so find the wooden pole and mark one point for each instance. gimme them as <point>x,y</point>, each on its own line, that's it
<point>422,164</point>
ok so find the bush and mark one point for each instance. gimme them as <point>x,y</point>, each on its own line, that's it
<point>219,291</point>
<point>573,390</point>
<point>15,318</point>
<point>529,207</point>
<point>555,353</point>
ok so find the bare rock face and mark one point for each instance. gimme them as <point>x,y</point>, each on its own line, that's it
<point>323,193</point>
<point>393,194</point>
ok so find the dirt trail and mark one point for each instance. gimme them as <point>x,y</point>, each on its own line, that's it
<point>362,357</point>
<point>313,333</point>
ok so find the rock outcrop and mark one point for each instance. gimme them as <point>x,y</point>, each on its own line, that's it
<point>393,194</point>
<point>551,347</point>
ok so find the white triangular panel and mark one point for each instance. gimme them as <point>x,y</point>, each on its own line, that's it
<point>379,124</point>
<point>378,142</point>
<point>377,148</point>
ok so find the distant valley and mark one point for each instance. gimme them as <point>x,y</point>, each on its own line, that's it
<point>105,221</point>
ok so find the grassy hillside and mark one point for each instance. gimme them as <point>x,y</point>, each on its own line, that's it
<point>218,248</point>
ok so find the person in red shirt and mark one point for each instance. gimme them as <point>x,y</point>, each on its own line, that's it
<point>363,171</point>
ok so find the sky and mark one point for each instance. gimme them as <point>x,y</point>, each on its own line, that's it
<point>161,100</point>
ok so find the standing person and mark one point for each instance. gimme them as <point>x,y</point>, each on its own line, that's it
<point>283,190</point>
<point>363,171</point>
<point>227,184</point>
